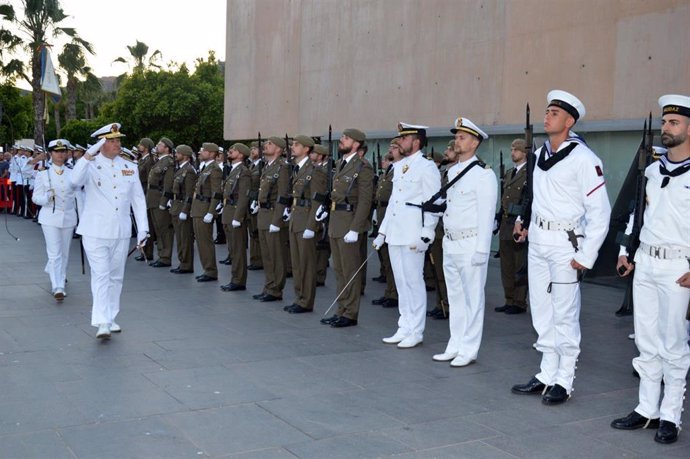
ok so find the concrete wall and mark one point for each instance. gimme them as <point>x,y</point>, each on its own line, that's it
<point>297,66</point>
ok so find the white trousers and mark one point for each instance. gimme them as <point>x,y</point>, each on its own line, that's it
<point>57,247</point>
<point>466,302</point>
<point>107,259</point>
<point>555,315</point>
<point>661,335</point>
<point>408,271</point>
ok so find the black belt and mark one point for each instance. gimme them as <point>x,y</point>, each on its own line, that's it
<point>345,207</point>
<point>168,194</point>
<point>156,188</point>
<point>266,205</point>
<point>203,198</point>
<point>231,202</point>
<point>303,202</point>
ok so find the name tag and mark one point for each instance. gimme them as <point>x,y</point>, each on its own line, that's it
<point>127,172</point>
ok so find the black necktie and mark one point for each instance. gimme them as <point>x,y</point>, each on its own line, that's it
<point>342,165</point>
<point>512,176</point>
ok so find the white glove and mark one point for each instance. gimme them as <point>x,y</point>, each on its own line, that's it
<point>96,148</point>
<point>183,216</point>
<point>420,247</point>
<point>286,215</point>
<point>254,208</point>
<point>479,258</point>
<point>168,204</point>
<point>141,238</point>
<point>308,234</point>
<point>219,207</point>
<point>162,208</point>
<point>351,237</point>
<point>236,224</point>
<point>321,214</point>
<point>208,218</point>
<point>379,241</point>
<point>374,218</point>
<point>273,229</point>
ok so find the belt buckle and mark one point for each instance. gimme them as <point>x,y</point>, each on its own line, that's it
<point>657,252</point>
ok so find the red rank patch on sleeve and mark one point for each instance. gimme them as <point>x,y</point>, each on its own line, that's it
<point>600,173</point>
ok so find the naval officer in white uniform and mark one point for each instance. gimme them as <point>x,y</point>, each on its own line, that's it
<point>54,192</point>
<point>408,232</point>
<point>570,216</point>
<point>111,186</point>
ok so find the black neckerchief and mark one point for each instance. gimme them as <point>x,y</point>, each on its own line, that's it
<point>546,164</point>
<point>680,170</point>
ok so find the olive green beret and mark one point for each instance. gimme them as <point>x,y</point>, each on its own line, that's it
<point>438,157</point>
<point>451,143</point>
<point>519,144</point>
<point>394,142</point>
<point>146,143</point>
<point>185,150</point>
<point>209,146</point>
<point>254,144</point>
<point>279,141</point>
<point>355,134</point>
<point>242,148</point>
<point>321,149</point>
<point>167,142</point>
<point>304,140</point>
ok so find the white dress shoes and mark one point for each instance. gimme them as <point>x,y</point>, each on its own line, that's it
<point>115,328</point>
<point>59,295</point>
<point>410,342</point>
<point>461,361</point>
<point>445,357</point>
<point>103,332</point>
<point>395,339</point>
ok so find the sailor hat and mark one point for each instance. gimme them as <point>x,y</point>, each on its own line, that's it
<point>109,131</point>
<point>466,125</point>
<point>675,104</point>
<point>567,102</point>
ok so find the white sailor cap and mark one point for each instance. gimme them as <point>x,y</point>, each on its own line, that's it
<point>567,102</point>
<point>109,131</point>
<point>466,125</point>
<point>26,148</point>
<point>658,151</point>
<point>57,145</point>
<point>675,104</point>
<point>79,148</point>
<point>126,153</point>
<point>408,129</point>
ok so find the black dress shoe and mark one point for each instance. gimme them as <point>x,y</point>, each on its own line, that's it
<point>390,303</point>
<point>433,312</point>
<point>533,387</point>
<point>635,421</point>
<point>297,309</point>
<point>380,278</point>
<point>205,278</point>
<point>270,298</point>
<point>182,271</point>
<point>555,395</point>
<point>430,288</point>
<point>258,296</point>
<point>219,240</point>
<point>343,322</point>
<point>254,268</point>
<point>227,261</point>
<point>160,264</point>
<point>512,309</point>
<point>288,275</point>
<point>320,284</point>
<point>440,315</point>
<point>139,258</point>
<point>502,308</point>
<point>379,301</point>
<point>667,433</point>
<point>330,320</point>
<point>288,306</point>
<point>232,287</point>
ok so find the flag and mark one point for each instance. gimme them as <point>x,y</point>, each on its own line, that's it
<point>49,81</point>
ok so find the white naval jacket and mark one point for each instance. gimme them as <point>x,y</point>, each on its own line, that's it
<point>471,206</point>
<point>415,179</point>
<point>63,215</point>
<point>111,187</point>
<point>572,191</point>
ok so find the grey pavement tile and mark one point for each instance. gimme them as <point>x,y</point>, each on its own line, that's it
<point>443,432</point>
<point>361,445</point>
<point>198,388</point>
<point>328,415</point>
<point>264,453</point>
<point>470,450</point>
<point>43,444</point>
<point>46,337</point>
<point>26,416</point>
<point>137,438</point>
<point>191,358</point>
<point>222,431</point>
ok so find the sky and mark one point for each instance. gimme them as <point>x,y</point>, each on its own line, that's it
<point>181,30</point>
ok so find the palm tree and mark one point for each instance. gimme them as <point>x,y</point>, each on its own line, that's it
<point>41,21</point>
<point>91,92</point>
<point>139,57</point>
<point>73,62</point>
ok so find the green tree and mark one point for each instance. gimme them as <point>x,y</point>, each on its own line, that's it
<point>79,131</point>
<point>16,121</point>
<point>139,58</point>
<point>72,60</point>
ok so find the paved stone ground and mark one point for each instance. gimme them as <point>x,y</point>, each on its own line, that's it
<point>202,373</point>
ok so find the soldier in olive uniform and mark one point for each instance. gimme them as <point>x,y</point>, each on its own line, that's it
<point>308,180</point>
<point>256,164</point>
<point>513,255</point>
<point>184,181</point>
<point>146,162</point>
<point>207,195</point>
<point>351,199</point>
<point>158,195</point>
<point>235,204</point>
<point>320,157</point>
<point>383,195</point>
<point>273,197</point>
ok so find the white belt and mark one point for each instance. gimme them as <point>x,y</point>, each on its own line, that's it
<point>460,235</point>
<point>554,225</point>
<point>665,253</point>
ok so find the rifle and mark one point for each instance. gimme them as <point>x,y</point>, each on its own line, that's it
<point>325,199</point>
<point>261,155</point>
<point>378,157</point>
<point>644,158</point>
<point>502,173</point>
<point>524,209</point>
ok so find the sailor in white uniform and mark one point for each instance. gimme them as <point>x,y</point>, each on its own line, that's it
<point>409,232</point>
<point>468,224</point>
<point>111,186</point>
<point>661,283</point>
<point>570,215</point>
<point>54,192</point>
